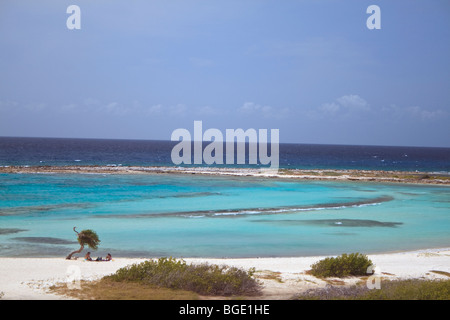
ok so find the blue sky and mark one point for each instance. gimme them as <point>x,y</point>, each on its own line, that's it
<point>310,68</point>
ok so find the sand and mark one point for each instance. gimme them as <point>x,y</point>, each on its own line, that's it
<point>30,278</point>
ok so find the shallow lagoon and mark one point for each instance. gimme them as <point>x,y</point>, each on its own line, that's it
<point>205,216</point>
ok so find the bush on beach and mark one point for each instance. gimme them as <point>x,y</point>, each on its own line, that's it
<point>354,264</point>
<point>409,289</point>
<point>203,279</point>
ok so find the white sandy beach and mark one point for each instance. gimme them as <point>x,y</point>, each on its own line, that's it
<point>30,278</point>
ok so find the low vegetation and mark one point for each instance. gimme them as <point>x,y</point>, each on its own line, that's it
<point>413,289</point>
<point>354,264</point>
<point>204,279</point>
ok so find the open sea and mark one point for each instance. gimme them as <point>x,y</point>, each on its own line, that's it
<point>63,152</point>
<point>180,215</point>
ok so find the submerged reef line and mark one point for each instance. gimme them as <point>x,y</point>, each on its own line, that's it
<point>253,211</point>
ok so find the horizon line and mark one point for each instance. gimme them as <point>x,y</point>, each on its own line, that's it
<point>175,141</point>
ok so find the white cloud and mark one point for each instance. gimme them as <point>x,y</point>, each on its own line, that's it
<point>8,105</point>
<point>414,112</point>
<point>353,102</point>
<point>345,106</point>
<point>251,108</point>
<point>153,110</point>
<point>115,108</point>
<point>209,111</point>
<point>179,110</point>
<point>329,108</point>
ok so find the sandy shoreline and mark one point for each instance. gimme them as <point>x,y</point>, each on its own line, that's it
<point>30,278</point>
<point>313,174</point>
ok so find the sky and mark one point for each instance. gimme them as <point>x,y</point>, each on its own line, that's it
<point>311,68</point>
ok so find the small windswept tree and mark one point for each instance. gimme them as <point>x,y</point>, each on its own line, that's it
<point>85,238</point>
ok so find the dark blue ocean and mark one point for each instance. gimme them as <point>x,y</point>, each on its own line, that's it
<point>63,152</point>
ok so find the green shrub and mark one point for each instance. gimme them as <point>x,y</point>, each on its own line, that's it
<point>354,264</point>
<point>410,289</point>
<point>203,279</point>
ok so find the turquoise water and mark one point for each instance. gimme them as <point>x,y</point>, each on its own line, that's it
<point>193,216</point>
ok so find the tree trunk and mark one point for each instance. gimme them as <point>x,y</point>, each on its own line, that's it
<point>77,251</point>
<point>72,253</point>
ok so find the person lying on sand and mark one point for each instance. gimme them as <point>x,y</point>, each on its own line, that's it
<point>87,257</point>
<point>108,258</point>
